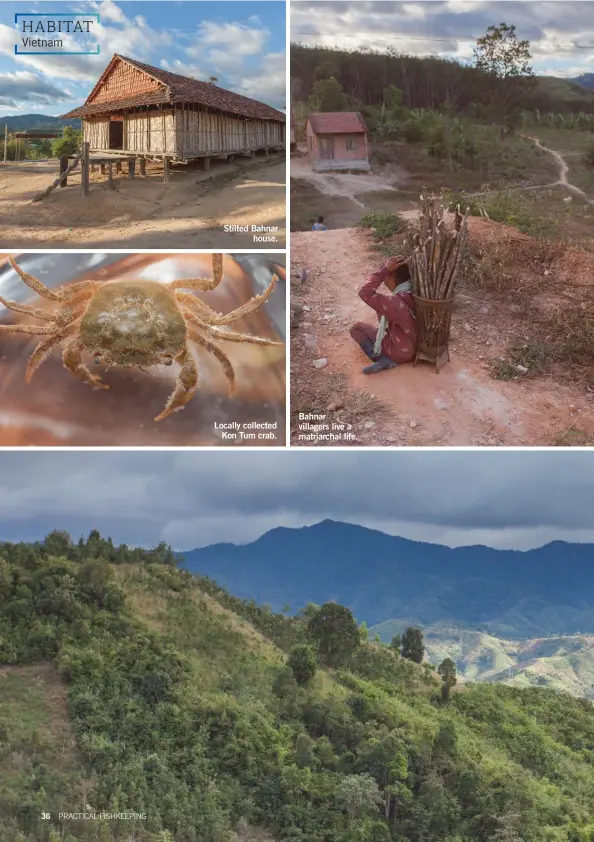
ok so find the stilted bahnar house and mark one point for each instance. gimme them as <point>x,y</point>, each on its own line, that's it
<point>142,111</point>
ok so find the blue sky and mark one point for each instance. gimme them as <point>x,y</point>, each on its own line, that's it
<point>241,43</point>
<point>557,31</point>
<point>507,499</point>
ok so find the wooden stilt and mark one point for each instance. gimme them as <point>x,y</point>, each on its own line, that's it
<point>110,175</point>
<point>142,166</point>
<point>166,169</point>
<point>58,180</point>
<point>131,167</point>
<point>84,181</point>
<point>63,168</point>
<point>102,166</point>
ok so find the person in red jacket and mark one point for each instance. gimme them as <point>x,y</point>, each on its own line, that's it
<point>395,340</point>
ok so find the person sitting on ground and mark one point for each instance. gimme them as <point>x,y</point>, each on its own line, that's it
<point>319,225</point>
<point>395,341</point>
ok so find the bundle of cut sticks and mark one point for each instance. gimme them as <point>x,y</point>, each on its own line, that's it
<point>436,251</point>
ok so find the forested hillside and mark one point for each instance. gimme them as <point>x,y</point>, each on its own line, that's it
<point>425,81</point>
<point>129,685</point>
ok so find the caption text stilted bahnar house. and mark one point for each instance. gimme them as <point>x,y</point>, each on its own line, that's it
<point>142,111</point>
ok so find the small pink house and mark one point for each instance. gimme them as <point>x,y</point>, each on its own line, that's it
<point>337,140</point>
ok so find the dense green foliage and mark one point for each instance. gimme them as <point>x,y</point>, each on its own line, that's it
<point>68,144</point>
<point>182,705</point>
<point>427,82</point>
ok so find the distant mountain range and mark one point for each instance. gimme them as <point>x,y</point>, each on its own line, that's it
<point>586,80</point>
<point>389,581</point>
<point>26,122</point>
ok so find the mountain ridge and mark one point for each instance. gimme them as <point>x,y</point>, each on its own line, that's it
<point>511,593</point>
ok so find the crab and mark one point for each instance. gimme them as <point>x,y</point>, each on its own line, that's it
<point>134,323</point>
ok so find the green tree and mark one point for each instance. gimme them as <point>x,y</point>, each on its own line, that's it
<point>396,643</point>
<point>68,144</point>
<point>447,670</point>
<point>358,795</point>
<point>413,647</point>
<point>335,632</point>
<point>328,95</point>
<point>302,662</point>
<point>304,754</point>
<point>500,54</point>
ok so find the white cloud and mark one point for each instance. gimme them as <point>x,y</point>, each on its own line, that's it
<point>235,38</point>
<point>268,81</point>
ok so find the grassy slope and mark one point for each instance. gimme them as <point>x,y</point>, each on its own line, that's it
<point>230,658</point>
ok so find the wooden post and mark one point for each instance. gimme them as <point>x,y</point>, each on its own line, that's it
<point>5,142</point>
<point>63,168</point>
<point>131,167</point>
<point>102,167</point>
<point>165,169</point>
<point>118,166</point>
<point>110,175</point>
<point>206,163</point>
<point>58,180</point>
<point>143,166</point>
<point>84,179</point>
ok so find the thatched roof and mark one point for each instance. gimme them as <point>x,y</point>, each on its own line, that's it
<point>175,88</point>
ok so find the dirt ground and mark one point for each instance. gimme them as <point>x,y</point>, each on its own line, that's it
<point>189,212</point>
<point>463,405</point>
<point>555,177</point>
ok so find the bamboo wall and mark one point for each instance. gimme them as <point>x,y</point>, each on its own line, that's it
<point>185,132</point>
<point>96,131</point>
<point>200,132</point>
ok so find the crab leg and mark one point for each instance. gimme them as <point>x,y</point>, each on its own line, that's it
<point>185,387</point>
<point>203,284</point>
<point>32,330</point>
<point>36,285</point>
<point>45,347</point>
<point>224,360</point>
<point>232,336</point>
<point>73,362</point>
<point>26,310</point>
<point>251,306</point>
<point>198,307</point>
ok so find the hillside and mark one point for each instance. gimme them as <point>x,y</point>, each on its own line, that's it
<point>425,81</point>
<point>563,662</point>
<point>133,687</point>
<point>379,577</point>
<point>28,122</point>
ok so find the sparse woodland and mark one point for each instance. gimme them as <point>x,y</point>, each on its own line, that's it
<point>223,720</point>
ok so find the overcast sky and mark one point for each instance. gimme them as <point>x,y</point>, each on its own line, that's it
<point>189,499</point>
<point>556,30</point>
<point>241,43</point>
